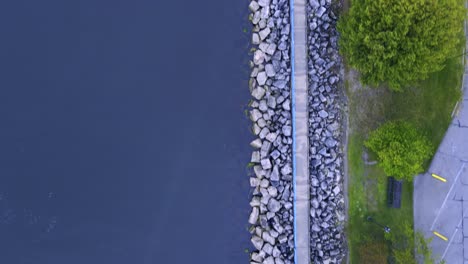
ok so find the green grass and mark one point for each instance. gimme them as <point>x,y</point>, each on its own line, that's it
<point>428,105</point>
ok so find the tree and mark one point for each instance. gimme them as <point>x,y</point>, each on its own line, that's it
<point>401,150</point>
<point>398,42</point>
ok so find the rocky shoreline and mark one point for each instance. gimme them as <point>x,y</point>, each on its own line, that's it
<point>327,208</point>
<point>271,217</point>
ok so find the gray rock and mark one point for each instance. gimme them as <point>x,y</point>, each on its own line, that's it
<point>287,105</point>
<point>279,261</point>
<point>268,249</point>
<point>270,71</point>
<point>271,102</point>
<point>276,253</point>
<point>258,93</point>
<point>255,115</point>
<point>273,205</point>
<point>271,137</point>
<point>266,164</point>
<point>263,3</point>
<point>274,176</point>
<point>269,260</point>
<point>268,238</point>
<point>287,130</point>
<point>271,49</point>
<point>255,39</point>
<point>262,106</point>
<point>256,143</point>
<point>316,228</point>
<point>323,114</point>
<point>286,169</point>
<point>280,84</point>
<point>330,142</point>
<point>261,78</point>
<point>312,3</point>
<point>315,203</point>
<point>264,132</point>
<point>257,242</point>
<point>253,6</point>
<point>256,257</point>
<point>259,57</point>
<point>336,190</point>
<point>255,157</point>
<point>320,11</point>
<point>253,216</point>
<point>254,182</point>
<point>264,33</point>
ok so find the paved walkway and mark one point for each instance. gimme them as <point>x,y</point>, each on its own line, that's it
<point>440,206</point>
<point>300,127</point>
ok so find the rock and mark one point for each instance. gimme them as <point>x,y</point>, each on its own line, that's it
<point>257,242</point>
<point>261,78</point>
<point>255,157</point>
<point>258,93</point>
<point>312,3</point>
<point>280,84</point>
<point>268,249</point>
<point>270,71</point>
<point>264,33</point>
<point>320,11</point>
<point>274,176</point>
<point>336,190</point>
<point>323,114</point>
<point>330,142</point>
<point>271,102</point>
<point>271,137</point>
<point>266,164</point>
<point>259,57</point>
<point>315,203</point>
<point>263,3</point>
<point>253,216</point>
<point>257,143</point>
<point>262,106</point>
<point>316,228</point>
<point>286,169</point>
<point>256,257</point>
<point>254,182</point>
<point>271,49</point>
<point>287,105</point>
<point>255,39</point>
<point>253,6</point>
<point>287,130</point>
<point>273,205</point>
<point>269,260</point>
<point>279,261</point>
<point>268,238</point>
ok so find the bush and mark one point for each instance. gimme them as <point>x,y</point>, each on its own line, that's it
<point>401,150</point>
<point>399,42</point>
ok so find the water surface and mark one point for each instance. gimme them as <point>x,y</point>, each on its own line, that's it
<point>123,137</point>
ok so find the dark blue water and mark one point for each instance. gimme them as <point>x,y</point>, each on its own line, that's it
<point>123,137</point>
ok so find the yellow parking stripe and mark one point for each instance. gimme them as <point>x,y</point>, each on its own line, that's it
<point>439,178</point>
<point>440,236</point>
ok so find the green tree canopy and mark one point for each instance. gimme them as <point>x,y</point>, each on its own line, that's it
<point>398,42</point>
<point>400,148</point>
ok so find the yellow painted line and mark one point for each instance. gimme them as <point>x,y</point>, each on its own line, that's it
<point>440,236</point>
<point>439,178</point>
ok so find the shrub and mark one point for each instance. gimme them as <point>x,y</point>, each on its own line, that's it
<point>401,150</point>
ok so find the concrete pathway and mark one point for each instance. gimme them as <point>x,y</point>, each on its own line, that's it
<point>442,206</point>
<point>300,132</point>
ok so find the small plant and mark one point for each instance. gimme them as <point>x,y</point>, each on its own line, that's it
<point>400,148</point>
